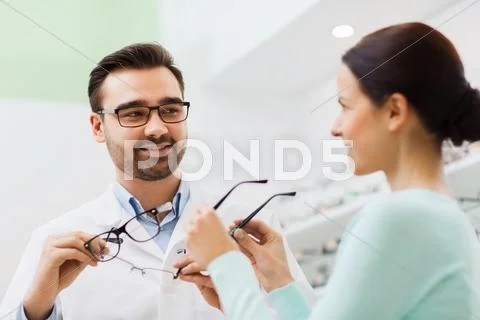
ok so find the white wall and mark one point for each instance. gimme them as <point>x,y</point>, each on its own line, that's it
<point>49,165</point>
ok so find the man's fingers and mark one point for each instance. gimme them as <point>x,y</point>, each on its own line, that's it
<point>70,242</point>
<point>100,246</point>
<point>198,279</point>
<point>63,254</point>
<point>192,268</point>
<point>77,234</point>
<point>183,261</point>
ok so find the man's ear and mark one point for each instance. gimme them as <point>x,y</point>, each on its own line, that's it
<point>397,111</point>
<point>96,122</point>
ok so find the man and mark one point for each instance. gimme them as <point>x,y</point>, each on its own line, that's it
<point>138,110</point>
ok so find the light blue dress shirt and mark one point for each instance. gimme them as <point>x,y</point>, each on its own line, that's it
<point>133,207</point>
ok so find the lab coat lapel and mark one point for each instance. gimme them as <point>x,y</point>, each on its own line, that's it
<point>197,196</point>
<point>149,248</point>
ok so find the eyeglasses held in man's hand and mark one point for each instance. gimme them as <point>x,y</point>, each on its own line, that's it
<point>106,246</point>
<point>132,116</point>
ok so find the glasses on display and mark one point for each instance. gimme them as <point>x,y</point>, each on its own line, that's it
<point>469,205</point>
<point>452,153</point>
<point>318,262</point>
<point>106,245</point>
<point>137,116</point>
<point>468,199</point>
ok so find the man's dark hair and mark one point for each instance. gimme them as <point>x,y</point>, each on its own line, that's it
<point>135,56</point>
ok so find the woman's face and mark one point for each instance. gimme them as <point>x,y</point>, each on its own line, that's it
<point>361,122</point>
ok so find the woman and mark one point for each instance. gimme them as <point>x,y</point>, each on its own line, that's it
<point>411,254</point>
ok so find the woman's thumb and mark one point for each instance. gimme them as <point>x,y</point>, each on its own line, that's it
<point>245,240</point>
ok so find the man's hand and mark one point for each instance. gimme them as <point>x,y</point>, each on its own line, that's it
<point>63,258</point>
<point>191,273</point>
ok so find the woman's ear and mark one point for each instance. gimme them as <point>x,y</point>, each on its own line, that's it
<point>96,122</point>
<point>397,111</point>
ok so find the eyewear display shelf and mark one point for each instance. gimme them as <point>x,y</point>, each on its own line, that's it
<point>463,176</point>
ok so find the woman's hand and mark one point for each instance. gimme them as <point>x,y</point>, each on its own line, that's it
<point>207,238</point>
<point>191,272</point>
<point>267,254</point>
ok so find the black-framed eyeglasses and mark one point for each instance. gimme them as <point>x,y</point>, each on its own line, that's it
<point>256,211</point>
<point>137,116</point>
<point>106,245</point>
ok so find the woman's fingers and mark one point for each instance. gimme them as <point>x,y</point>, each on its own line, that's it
<point>258,229</point>
<point>246,242</point>
<point>207,238</point>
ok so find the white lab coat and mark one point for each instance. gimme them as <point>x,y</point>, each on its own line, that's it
<point>112,290</point>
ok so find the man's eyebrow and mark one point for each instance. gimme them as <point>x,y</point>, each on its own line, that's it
<point>168,100</point>
<point>141,102</point>
<point>133,103</point>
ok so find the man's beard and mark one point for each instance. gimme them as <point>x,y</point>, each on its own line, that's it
<point>131,164</point>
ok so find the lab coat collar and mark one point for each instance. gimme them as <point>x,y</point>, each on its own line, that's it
<point>108,211</point>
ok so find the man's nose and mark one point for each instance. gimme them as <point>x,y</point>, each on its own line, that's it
<point>155,127</point>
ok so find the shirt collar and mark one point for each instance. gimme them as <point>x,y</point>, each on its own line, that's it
<point>132,206</point>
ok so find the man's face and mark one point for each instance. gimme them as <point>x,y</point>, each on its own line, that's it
<point>142,152</point>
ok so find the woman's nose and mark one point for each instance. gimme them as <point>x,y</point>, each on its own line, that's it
<point>336,130</point>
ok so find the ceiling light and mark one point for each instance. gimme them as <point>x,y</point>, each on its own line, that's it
<point>342,31</point>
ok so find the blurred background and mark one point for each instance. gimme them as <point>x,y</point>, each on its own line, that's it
<point>254,70</point>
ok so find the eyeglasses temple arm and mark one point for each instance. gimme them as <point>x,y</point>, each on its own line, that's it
<point>256,211</point>
<point>217,205</point>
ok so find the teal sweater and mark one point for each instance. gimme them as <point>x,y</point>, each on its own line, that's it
<point>410,255</point>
